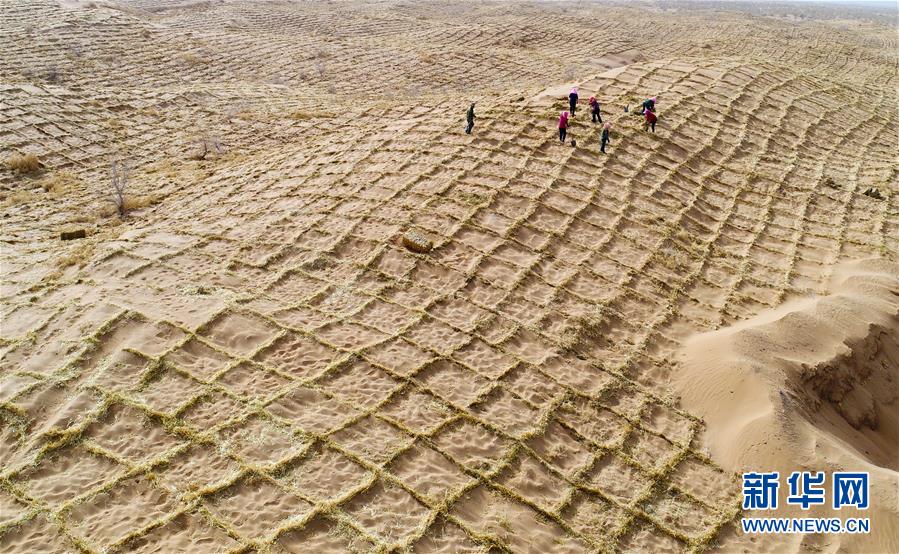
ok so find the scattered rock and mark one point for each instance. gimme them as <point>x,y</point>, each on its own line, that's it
<point>830,183</point>
<point>873,193</point>
<point>416,242</point>
<point>71,235</point>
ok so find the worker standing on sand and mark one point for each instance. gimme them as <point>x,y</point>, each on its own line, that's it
<point>605,137</point>
<point>649,104</point>
<point>650,119</point>
<point>469,117</point>
<point>594,109</point>
<point>563,126</point>
<point>572,100</point>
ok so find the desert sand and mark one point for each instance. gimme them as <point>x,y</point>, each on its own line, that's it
<point>812,385</point>
<point>580,353</point>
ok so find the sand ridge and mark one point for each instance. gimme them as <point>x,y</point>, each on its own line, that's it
<point>298,380</point>
<point>811,385</point>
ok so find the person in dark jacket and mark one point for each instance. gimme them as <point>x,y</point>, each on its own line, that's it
<point>648,104</point>
<point>594,109</point>
<point>572,100</point>
<point>469,117</point>
<point>606,138</point>
<point>563,126</point>
<point>650,120</point>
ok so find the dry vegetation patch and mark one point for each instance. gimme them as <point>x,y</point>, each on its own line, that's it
<point>59,182</point>
<point>23,164</point>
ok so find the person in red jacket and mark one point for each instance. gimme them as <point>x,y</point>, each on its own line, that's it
<point>563,126</point>
<point>650,120</point>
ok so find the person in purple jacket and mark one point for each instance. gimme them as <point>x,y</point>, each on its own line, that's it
<point>594,109</point>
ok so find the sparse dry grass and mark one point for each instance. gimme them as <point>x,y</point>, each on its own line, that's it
<point>16,197</point>
<point>192,59</point>
<point>130,204</point>
<point>23,164</point>
<point>78,255</point>
<point>140,202</point>
<point>59,182</point>
<point>169,168</point>
<point>82,218</point>
<point>300,115</point>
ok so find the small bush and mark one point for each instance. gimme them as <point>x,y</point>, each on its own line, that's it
<point>23,163</point>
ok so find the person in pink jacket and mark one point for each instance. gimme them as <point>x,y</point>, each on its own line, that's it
<point>563,126</point>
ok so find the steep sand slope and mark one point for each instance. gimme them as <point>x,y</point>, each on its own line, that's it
<point>813,385</point>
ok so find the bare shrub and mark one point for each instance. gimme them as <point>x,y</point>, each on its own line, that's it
<point>118,182</point>
<point>207,146</point>
<point>122,201</point>
<point>23,163</point>
<point>320,56</point>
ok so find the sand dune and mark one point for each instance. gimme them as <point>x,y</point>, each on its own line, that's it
<point>811,385</point>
